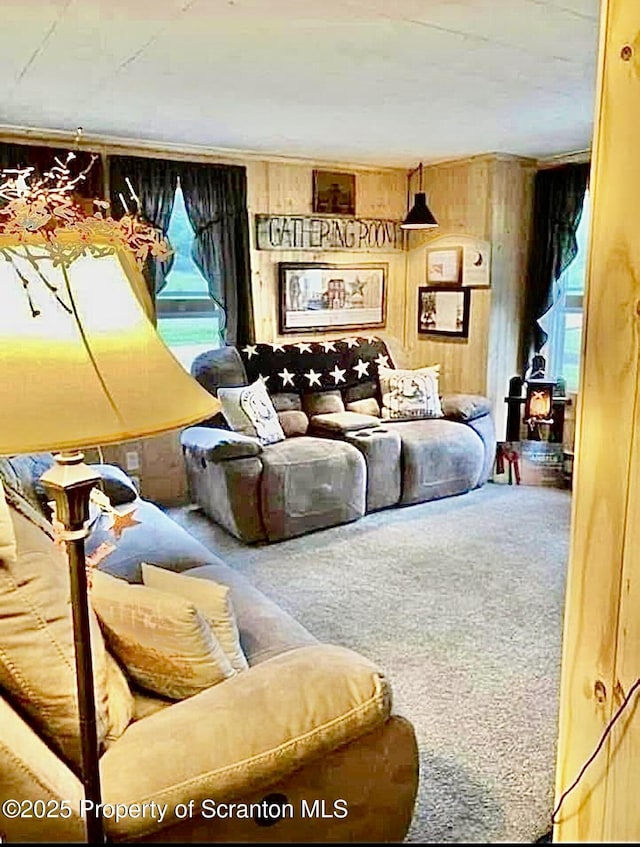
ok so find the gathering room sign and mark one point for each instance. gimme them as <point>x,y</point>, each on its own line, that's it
<point>305,232</point>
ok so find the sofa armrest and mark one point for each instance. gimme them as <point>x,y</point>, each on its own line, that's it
<point>116,484</point>
<point>465,407</point>
<point>244,734</point>
<point>340,423</point>
<point>29,770</point>
<point>218,445</point>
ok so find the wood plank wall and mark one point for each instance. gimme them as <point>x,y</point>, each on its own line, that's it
<point>276,188</point>
<point>488,197</point>
<point>601,647</point>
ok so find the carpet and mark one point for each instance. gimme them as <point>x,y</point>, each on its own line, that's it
<point>460,601</point>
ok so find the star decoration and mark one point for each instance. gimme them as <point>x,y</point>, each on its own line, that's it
<point>313,377</point>
<point>328,345</point>
<point>382,361</point>
<point>304,347</point>
<point>122,520</point>
<point>338,374</point>
<point>371,339</point>
<point>351,342</point>
<point>286,377</point>
<point>263,379</point>
<point>276,347</point>
<point>362,368</point>
<point>250,350</point>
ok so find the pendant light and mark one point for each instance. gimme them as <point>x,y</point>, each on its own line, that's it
<point>420,215</point>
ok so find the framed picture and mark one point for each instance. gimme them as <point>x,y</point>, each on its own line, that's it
<point>319,296</point>
<point>334,193</point>
<point>443,310</point>
<point>444,265</point>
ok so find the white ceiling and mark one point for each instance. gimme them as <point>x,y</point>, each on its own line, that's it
<point>387,82</point>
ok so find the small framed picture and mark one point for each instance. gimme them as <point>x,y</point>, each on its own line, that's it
<point>444,265</point>
<point>334,193</point>
<point>443,310</point>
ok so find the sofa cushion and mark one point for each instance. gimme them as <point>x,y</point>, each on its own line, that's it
<point>367,406</point>
<point>322,403</point>
<point>211,599</point>
<point>309,483</point>
<point>221,367</point>
<point>340,422</point>
<point>120,702</point>
<point>440,458</point>
<point>293,423</point>
<point>286,401</point>
<point>410,394</point>
<point>37,660</point>
<point>249,410</point>
<point>163,641</point>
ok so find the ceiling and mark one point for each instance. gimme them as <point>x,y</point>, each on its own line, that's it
<point>387,82</point>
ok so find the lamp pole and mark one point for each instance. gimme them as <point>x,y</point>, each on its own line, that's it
<point>69,482</point>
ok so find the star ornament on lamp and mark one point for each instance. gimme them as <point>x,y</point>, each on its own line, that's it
<point>81,365</point>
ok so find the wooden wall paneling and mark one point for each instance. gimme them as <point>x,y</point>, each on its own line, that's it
<point>601,646</point>
<point>279,188</point>
<point>458,193</point>
<point>511,207</point>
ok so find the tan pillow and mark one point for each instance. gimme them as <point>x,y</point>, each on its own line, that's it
<point>322,403</point>
<point>120,703</point>
<point>293,423</point>
<point>410,394</point>
<point>37,659</point>
<point>368,406</point>
<point>164,643</point>
<point>210,598</point>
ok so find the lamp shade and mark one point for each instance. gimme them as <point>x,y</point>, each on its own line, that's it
<point>420,215</point>
<point>81,363</point>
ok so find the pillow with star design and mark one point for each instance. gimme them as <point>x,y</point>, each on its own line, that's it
<point>248,409</point>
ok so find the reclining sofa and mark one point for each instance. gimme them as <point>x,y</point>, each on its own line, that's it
<point>340,459</point>
<point>305,724</point>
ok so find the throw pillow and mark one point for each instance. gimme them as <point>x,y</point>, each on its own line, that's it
<point>120,703</point>
<point>322,403</point>
<point>294,423</point>
<point>248,409</point>
<point>368,406</point>
<point>163,642</point>
<point>37,659</point>
<point>211,599</point>
<point>407,395</point>
<point>116,484</point>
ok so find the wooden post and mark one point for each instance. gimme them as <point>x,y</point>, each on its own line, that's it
<point>601,648</point>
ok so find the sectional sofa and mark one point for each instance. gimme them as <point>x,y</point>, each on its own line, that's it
<point>305,725</point>
<point>340,459</point>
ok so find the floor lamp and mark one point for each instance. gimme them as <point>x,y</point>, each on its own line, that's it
<point>81,364</point>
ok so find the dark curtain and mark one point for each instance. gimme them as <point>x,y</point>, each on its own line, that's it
<point>154,182</point>
<point>558,197</point>
<point>42,159</point>
<point>216,200</point>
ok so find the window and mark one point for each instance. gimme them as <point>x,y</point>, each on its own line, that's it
<point>563,322</point>
<point>188,318</point>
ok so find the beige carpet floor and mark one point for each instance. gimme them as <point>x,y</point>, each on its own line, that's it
<point>460,601</point>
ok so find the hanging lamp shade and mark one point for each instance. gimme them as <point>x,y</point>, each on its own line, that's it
<point>81,363</point>
<point>420,215</point>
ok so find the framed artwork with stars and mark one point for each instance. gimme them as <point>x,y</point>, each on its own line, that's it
<point>319,296</point>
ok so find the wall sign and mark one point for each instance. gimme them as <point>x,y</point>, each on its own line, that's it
<point>305,232</point>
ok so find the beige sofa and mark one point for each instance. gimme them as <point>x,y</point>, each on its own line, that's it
<point>309,726</point>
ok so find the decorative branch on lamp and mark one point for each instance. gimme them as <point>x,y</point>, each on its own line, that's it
<point>80,365</point>
<point>420,215</point>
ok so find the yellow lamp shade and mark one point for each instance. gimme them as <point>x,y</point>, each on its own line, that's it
<point>81,363</point>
